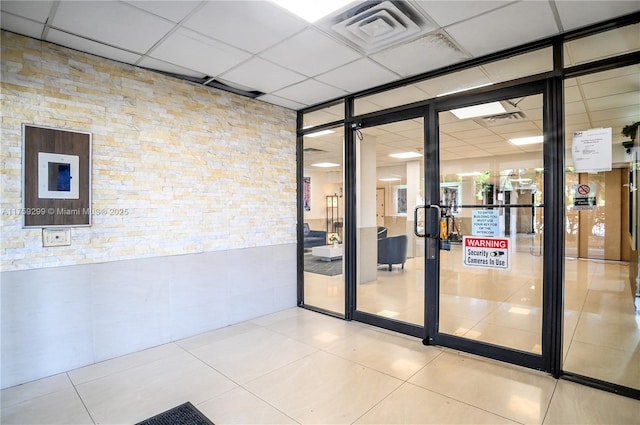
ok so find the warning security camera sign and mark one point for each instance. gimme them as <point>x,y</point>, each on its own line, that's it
<point>491,253</point>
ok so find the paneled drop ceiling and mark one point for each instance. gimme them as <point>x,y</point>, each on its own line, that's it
<point>262,49</point>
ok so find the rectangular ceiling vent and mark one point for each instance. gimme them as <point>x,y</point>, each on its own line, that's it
<point>509,116</point>
<point>373,26</point>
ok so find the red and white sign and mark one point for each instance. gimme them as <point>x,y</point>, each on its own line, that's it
<point>584,197</point>
<point>491,253</point>
<point>584,190</point>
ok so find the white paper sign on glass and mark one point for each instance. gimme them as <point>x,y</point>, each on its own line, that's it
<point>485,223</point>
<point>592,150</point>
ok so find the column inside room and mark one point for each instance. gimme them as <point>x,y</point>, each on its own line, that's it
<point>414,198</point>
<point>367,265</point>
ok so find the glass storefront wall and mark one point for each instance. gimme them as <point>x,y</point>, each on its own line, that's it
<point>601,333</point>
<point>512,68</point>
<point>323,212</point>
<point>328,114</point>
<point>601,327</point>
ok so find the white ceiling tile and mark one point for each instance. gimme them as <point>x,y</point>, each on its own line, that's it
<point>424,54</point>
<point>286,103</point>
<point>310,53</point>
<point>362,106</point>
<point>603,45</point>
<point>576,119</point>
<point>614,101</point>
<point>174,11</point>
<point>249,25</point>
<point>84,45</point>
<point>575,14</point>
<point>573,108</point>
<point>310,92</point>
<point>35,10</point>
<point>509,26</point>
<point>21,25</point>
<point>611,86</point>
<point>448,12</point>
<point>159,65</point>
<point>520,66</point>
<point>461,80</point>
<point>395,97</point>
<point>616,113</point>
<point>114,23</point>
<point>194,51</point>
<point>359,75</point>
<point>262,75</point>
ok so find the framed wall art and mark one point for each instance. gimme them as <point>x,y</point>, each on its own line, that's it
<point>56,177</point>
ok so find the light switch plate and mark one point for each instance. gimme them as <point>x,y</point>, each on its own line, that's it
<point>56,237</point>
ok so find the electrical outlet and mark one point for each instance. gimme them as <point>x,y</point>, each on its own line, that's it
<point>56,237</point>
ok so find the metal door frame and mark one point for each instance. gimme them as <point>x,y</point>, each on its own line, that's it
<point>554,213</point>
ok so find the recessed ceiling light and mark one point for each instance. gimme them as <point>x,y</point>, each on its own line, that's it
<point>483,110</point>
<point>312,10</point>
<point>469,174</point>
<point>527,140</point>
<point>325,164</point>
<point>464,89</point>
<point>390,179</point>
<point>405,155</point>
<point>320,133</point>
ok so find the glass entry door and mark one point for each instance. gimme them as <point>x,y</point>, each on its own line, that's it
<point>490,193</point>
<point>389,257</point>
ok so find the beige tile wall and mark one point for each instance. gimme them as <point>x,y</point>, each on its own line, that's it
<point>195,169</point>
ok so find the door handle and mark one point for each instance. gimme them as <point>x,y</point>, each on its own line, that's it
<point>431,224</point>
<point>415,221</point>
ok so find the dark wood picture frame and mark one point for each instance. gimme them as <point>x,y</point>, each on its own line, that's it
<point>51,199</point>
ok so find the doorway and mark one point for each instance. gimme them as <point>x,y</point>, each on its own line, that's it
<point>390,257</point>
<point>471,179</point>
<point>490,204</point>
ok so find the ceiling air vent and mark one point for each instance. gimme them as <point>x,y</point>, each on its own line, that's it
<point>509,116</point>
<point>371,28</point>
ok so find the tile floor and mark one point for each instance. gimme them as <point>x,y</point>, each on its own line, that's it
<point>301,367</point>
<point>601,327</point>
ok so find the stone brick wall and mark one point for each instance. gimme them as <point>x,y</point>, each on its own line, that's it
<point>196,169</point>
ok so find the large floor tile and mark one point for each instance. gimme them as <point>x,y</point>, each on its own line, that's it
<point>21,393</point>
<point>144,391</point>
<point>323,389</point>
<point>251,354</point>
<point>394,355</point>
<point>515,393</point>
<point>604,363</point>
<point>326,292</point>
<point>240,407</point>
<point>577,404</point>
<point>318,330</point>
<point>207,338</point>
<point>122,363</point>
<point>411,404</point>
<point>62,407</point>
<point>506,336</point>
<point>596,329</point>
